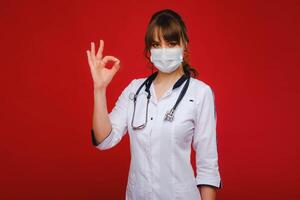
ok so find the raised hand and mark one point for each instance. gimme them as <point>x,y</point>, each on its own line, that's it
<point>101,75</point>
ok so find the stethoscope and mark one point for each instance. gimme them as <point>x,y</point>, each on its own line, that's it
<point>169,116</point>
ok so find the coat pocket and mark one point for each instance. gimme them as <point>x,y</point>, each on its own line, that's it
<point>135,189</point>
<point>186,191</point>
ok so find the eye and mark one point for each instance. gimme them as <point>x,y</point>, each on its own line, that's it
<point>172,44</point>
<point>155,45</point>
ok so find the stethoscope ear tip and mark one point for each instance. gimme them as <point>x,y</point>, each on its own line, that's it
<point>131,96</point>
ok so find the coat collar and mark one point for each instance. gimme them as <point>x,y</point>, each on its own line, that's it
<point>178,83</point>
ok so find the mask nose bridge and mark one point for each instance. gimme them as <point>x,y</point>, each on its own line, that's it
<point>165,53</point>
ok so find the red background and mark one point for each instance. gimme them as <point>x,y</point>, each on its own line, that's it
<point>246,50</point>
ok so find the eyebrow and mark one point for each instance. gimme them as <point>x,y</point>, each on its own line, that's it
<point>166,41</point>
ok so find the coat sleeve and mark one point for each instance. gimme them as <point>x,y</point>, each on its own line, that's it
<point>118,119</point>
<point>205,141</point>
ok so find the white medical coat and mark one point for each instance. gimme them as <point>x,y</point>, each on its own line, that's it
<point>160,167</point>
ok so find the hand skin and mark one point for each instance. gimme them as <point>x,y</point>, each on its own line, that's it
<point>102,76</point>
<point>207,192</point>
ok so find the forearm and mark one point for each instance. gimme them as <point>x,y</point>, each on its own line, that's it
<point>101,121</point>
<point>207,192</point>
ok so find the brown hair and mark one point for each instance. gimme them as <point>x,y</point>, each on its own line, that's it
<point>172,28</point>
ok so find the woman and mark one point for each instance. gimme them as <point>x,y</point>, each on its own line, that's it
<point>164,115</point>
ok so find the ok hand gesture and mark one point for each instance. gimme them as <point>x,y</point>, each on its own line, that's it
<point>101,75</point>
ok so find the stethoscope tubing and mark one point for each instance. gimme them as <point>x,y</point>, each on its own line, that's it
<point>170,114</point>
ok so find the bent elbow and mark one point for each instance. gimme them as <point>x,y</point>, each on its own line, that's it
<point>106,143</point>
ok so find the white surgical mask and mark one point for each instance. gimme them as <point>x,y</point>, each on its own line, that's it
<point>166,60</point>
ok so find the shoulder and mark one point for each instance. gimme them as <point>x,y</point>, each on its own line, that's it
<point>136,82</point>
<point>200,89</point>
<point>199,86</point>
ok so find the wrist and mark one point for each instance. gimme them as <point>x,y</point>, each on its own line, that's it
<point>100,90</point>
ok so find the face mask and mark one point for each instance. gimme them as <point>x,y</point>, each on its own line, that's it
<point>166,60</point>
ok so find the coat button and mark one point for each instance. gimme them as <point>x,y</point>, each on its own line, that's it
<point>151,118</point>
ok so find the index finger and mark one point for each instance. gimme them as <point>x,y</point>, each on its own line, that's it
<point>100,50</point>
<point>108,58</point>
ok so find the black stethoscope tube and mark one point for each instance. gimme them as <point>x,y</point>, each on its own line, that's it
<point>170,114</point>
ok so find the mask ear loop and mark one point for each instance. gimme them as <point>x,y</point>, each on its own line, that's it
<point>152,67</point>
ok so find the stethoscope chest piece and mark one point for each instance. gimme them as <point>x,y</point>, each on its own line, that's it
<point>169,116</point>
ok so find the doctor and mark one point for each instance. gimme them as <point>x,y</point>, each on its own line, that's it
<point>165,114</point>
